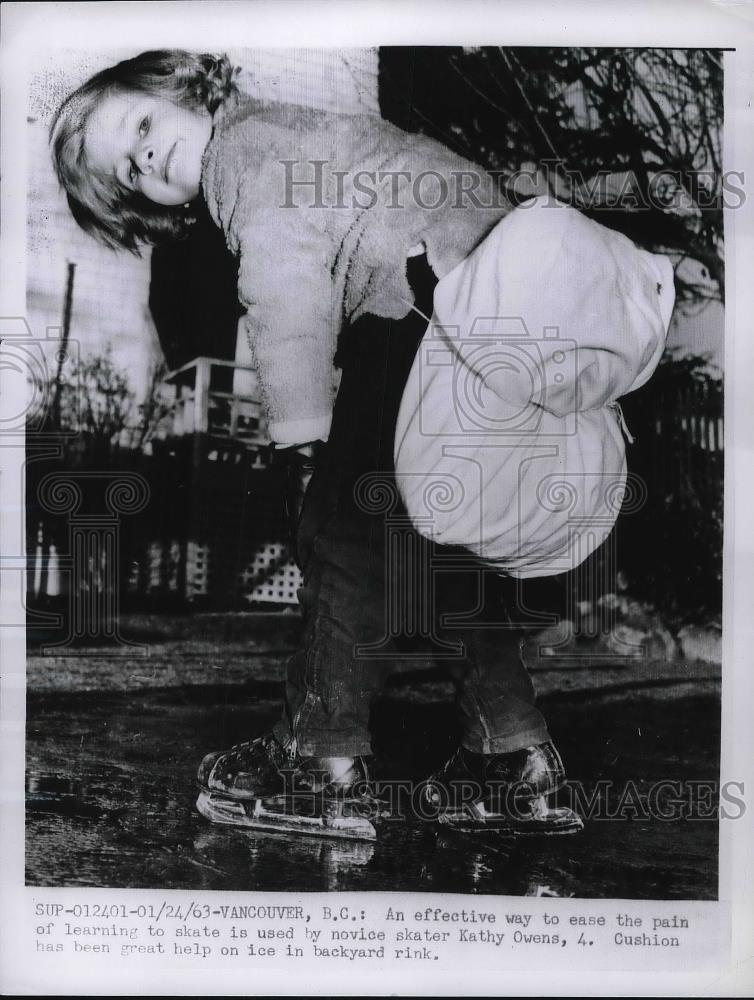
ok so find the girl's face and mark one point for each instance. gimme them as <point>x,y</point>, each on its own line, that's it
<point>150,145</point>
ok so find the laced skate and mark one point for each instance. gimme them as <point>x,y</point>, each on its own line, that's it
<point>264,785</point>
<point>504,792</point>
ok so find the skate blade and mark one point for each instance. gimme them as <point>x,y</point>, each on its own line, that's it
<point>254,816</point>
<point>544,821</point>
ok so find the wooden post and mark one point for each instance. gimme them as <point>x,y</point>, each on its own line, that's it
<point>65,336</point>
<point>201,396</point>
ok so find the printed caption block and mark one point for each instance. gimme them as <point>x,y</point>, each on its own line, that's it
<point>254,931</point>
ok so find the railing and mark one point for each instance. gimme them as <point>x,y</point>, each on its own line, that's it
<point>693,415</point>
<point>219,398</point>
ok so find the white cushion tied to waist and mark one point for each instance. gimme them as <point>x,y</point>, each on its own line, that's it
<point>509,438</point>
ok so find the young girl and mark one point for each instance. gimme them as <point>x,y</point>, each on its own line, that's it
<point>341,226</point>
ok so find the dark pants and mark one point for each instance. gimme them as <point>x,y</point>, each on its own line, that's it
<point>373,587</point>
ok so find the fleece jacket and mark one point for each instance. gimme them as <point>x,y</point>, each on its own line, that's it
<point>322,211</point>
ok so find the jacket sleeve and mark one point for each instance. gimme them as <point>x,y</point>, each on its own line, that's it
<point>291,319</point>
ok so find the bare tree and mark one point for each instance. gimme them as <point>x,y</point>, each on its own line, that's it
<point>97,411</point>
<point>631,134</point>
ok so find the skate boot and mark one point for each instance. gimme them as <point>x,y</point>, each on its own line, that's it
<point>506,792</point>
<point>265,785</point>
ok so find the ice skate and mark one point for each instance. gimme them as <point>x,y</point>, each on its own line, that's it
<point>502,792</point>
<point>263,785</point>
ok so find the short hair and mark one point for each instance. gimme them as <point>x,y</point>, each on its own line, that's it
<point>100,204</point>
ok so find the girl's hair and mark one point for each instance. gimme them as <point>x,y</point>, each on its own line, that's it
<point>101,205</point>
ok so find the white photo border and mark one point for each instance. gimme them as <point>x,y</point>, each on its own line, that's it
<point>30,27</point>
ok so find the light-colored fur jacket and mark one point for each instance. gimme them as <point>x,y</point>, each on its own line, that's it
<point>322,211</point>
